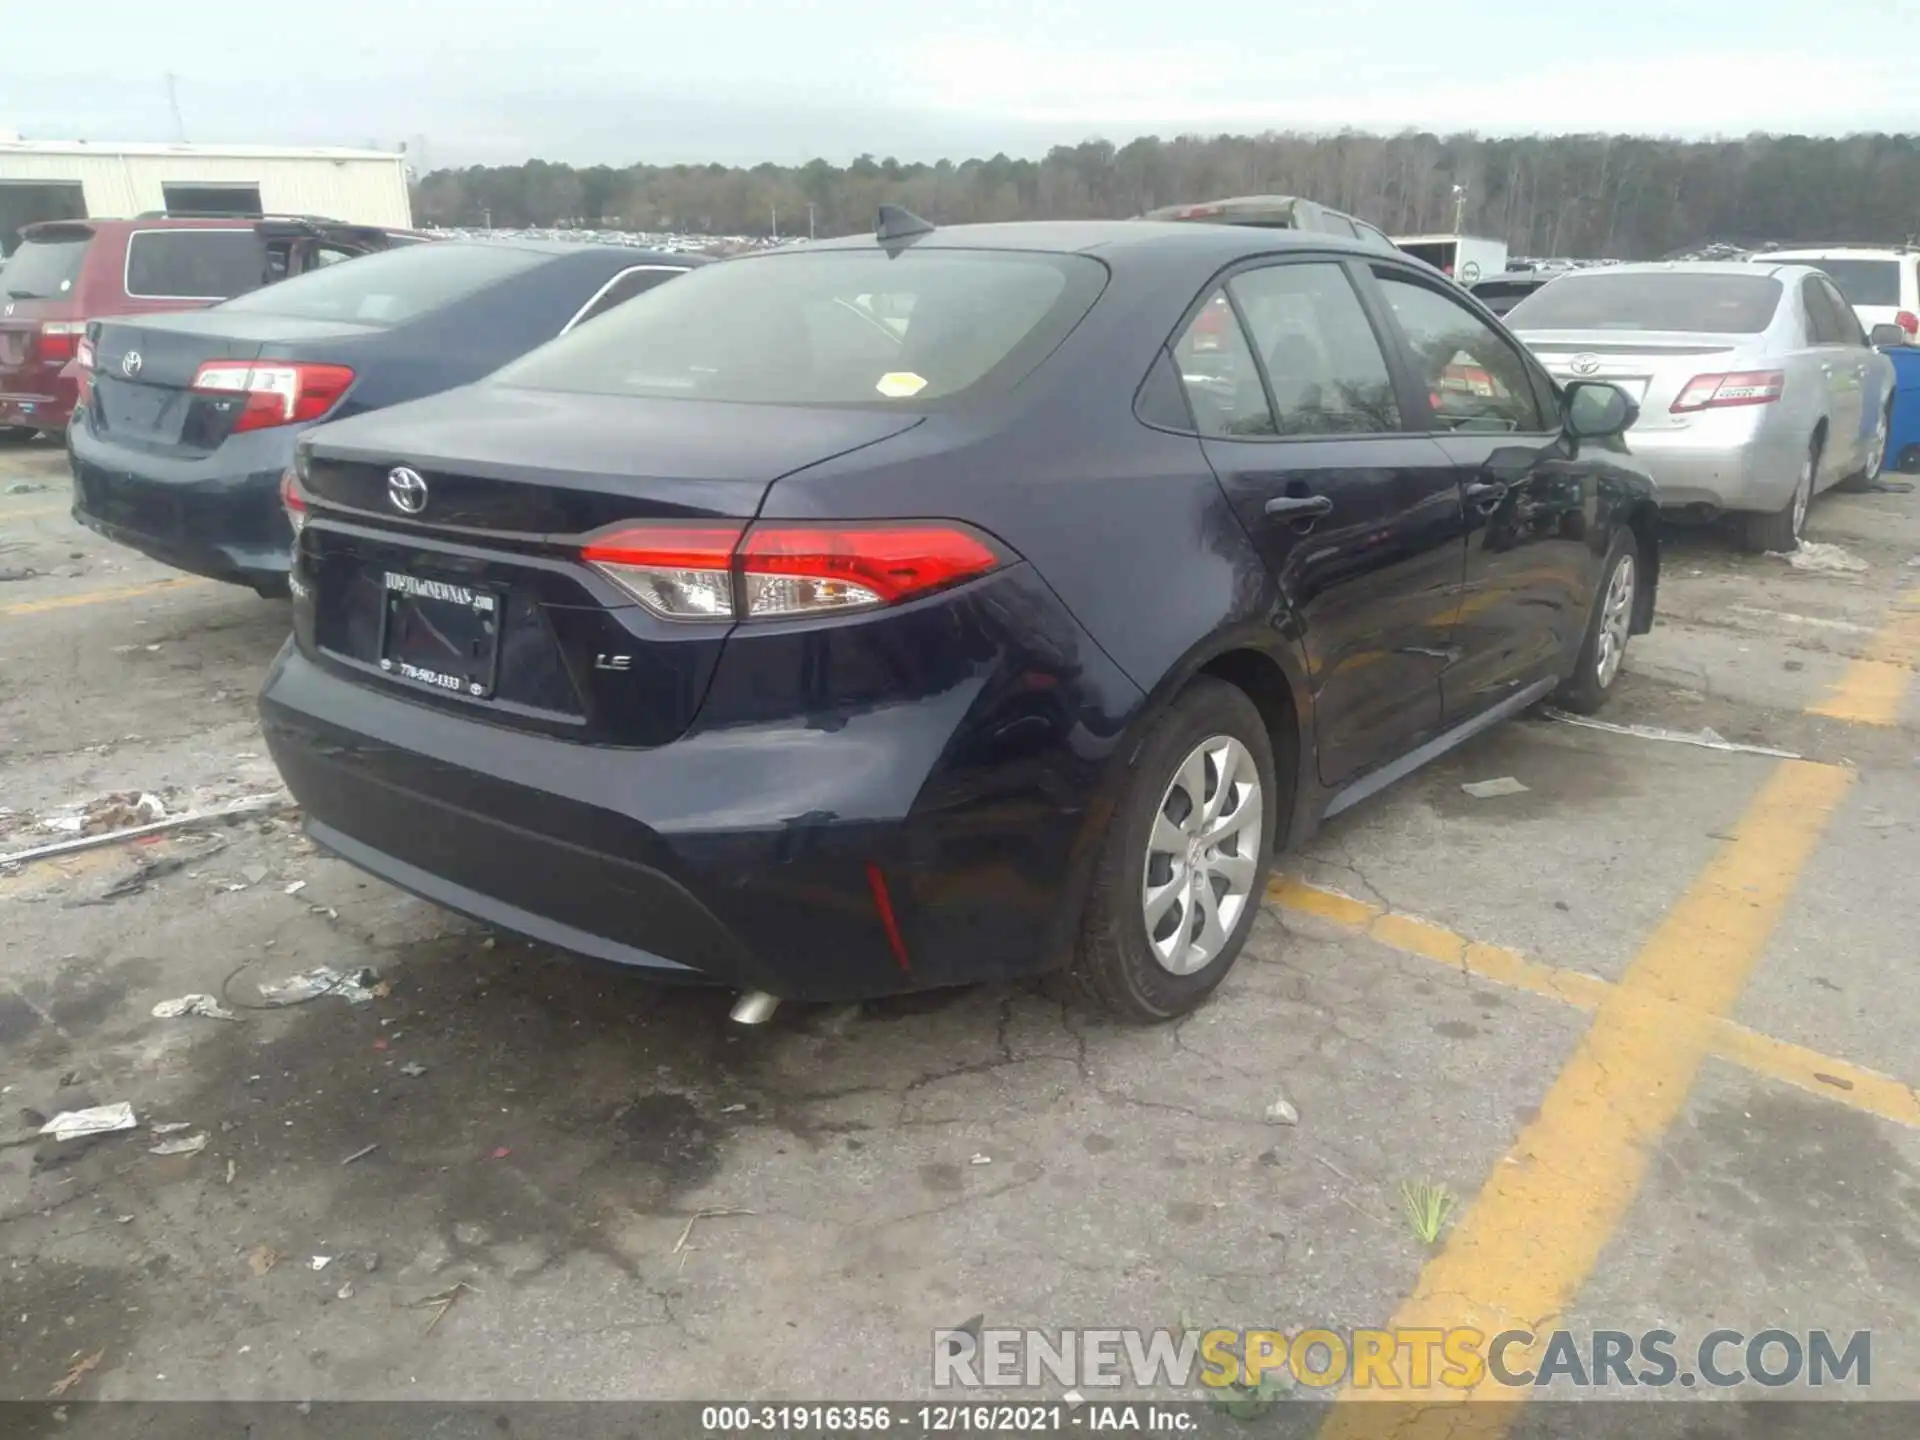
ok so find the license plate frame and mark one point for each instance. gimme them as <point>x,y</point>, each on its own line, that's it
<point>408,601</point>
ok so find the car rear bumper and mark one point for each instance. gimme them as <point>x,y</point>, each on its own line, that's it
<point>34,410</point>
<point>1696,467</point>
<point>818,858</point>
<point>220,517</point>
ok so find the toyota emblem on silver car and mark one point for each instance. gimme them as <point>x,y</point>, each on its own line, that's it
<point>1584,364</point>
<point>406,489</point>
<point>130,364</point>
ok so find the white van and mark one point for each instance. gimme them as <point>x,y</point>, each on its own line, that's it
<point>1881,283</point>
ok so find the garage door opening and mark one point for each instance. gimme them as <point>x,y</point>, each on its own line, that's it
<point>211,199</point>
<point>23,202</point>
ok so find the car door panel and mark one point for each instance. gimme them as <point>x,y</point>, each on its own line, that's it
<point>1528,507</point>
<point>1357,521</point>
<point>1840,378</point>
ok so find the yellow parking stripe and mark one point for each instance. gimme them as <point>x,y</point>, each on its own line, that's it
<point>1827,1076</point>
<point>100,597</point>
<point>1523,1248</point>
<point>1871,689</point>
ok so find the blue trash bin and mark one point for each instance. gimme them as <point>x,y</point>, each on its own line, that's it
<point>1903,440</point>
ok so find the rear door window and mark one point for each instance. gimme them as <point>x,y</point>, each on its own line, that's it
<point>623,288</point>
<point>1222,381</point>
<point>1475,379</point>
<point>195,264</point>
<point>1325,371</point>
<point>44,269</point>
<point>1847,329</point>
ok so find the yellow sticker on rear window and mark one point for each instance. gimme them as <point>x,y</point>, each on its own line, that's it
<point>898,384</point>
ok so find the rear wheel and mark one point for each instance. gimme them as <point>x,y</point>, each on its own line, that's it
<point>1781,530</point>
<point>1604,649</point>
<point>1870,468</point>
<point>21,433</point>
<point>1184,866</point>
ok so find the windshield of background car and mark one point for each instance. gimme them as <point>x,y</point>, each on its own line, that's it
<point>1713,304</point>
<point>44,269</point>
<point>828,327</point>
<point>1864,282</point>
<point>392,286</point>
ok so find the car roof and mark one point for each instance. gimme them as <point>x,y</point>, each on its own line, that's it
<point>1694,267</point>
<point>1836,252</point>
<point>1108,237</point>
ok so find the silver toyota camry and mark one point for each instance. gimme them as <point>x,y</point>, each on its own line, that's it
<point>1756,385</point>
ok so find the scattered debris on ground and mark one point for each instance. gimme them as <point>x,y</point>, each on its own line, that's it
<point>1821,559</point>
<point>262,1258</point>
<point>356,988</point>
<point>204,1005</point>
<point>1281,1112</point>
<point>1490,789</point>
<point>78,1373</point>
<point>185,1145</point>
<point>441,1303</point>
<point>97,1120</point>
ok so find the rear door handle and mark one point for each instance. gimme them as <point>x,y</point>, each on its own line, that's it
<point>1299,507</point>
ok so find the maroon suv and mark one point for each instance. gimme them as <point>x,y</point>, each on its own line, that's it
<point>67,272</point>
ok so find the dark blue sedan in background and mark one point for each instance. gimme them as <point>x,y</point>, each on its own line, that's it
<point>945,605</point>
<point>188,421</point>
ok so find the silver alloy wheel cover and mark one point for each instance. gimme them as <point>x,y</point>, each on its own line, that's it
<point>1616,623</point>
<point>1200,868</point>
<point>1802,497</point>
<point>1877,454</point>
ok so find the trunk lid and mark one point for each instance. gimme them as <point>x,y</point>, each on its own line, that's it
<point>1652,366</point>
<point>39,285</point>
<point>144,370</point>
<point>480,601</point>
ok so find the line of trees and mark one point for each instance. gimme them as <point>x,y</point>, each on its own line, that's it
<point>1584,195</point>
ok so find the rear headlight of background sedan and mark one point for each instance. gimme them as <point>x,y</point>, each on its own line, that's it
<point>275,392</point>
<point>1740,387</point>
<point>772,571</point>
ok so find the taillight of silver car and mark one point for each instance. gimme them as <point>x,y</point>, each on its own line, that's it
<point>1741,387</point>
<point>771,571</point>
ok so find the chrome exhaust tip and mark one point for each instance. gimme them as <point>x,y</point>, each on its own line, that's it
<point>754,1007</point>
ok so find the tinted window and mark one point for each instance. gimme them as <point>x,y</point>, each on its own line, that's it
<point>1847,324</point>
<point>195,264</point>
<point>392,286</point>
<point>1824,326</point>
<point>44,269</point>
<point>1475,379</point>
<point>1864,282</point>
<point>624,288</point>
<point>1324,367</point>
<point>1716,304</point>
<point>1162,401</point>
<point>1500,296</point>
<point>1217,369</point>
<point>828,327</point>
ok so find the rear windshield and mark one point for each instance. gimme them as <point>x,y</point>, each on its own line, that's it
<point>828,327</point>
<point>1716,304</point>
<point>44,269</point>
<point>1865,282</point>
<point>392,286</point>
<point>195,264</point>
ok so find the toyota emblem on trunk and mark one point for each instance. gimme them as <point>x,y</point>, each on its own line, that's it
<point>407,490</point>
<point>130,364</point>
<point>1584,364</point>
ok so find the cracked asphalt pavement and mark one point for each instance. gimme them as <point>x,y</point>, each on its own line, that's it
<point>643,1201</point>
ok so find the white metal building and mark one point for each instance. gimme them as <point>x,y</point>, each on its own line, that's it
<point>73,180</point>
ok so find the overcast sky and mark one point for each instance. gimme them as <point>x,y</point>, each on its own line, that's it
<point>740,81</point>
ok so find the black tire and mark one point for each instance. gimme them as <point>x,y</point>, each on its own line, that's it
<point>1778,530</point>
<point>1114,965</point>
<point>1865,477</point>
<point>18,434</point>
<point>1586,689</point>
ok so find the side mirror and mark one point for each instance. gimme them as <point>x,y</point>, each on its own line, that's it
<point>1596,410</point>
<point>1883,336</point>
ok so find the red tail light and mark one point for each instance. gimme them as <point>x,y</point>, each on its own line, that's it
<point>1908,321</point>
<point>700,571</point>
<point>295,502</point>
<point>1741,387</point>
<point>60,339</point>
<point>277,393</point>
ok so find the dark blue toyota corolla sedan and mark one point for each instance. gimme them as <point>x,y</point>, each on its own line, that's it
<point>189,420</point>
<point>944,605</point>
